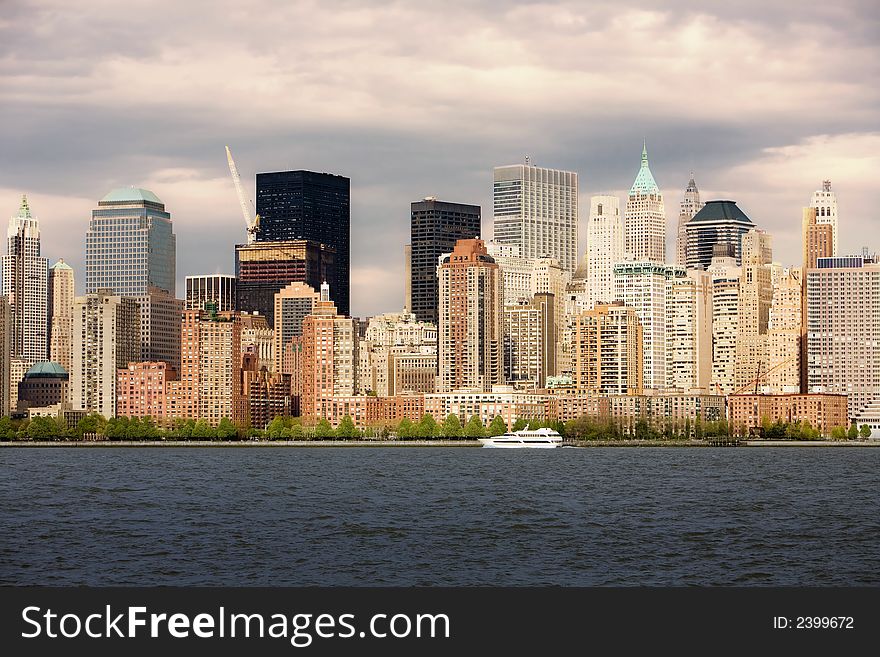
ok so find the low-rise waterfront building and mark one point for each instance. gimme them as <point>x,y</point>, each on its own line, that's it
<point>823,411</point>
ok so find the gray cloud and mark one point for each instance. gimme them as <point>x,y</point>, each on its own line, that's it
<point>410,100</point>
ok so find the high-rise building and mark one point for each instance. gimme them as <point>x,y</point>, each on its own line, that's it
<point>131,249</point>
<point>106,338</point>
<point>843,330</point>
<point>536,209</point>
<point>407,278</point>
<point>258,339</point>
<point>607,350</point>
<point>305,205</point>
<point>397,341</point>
<point>24,284</point>
<point>469,332</point>
<point>529,335</point>
<point>605,248</point>
<point>516,272</point>
<point>5,334</point>
<point>817,239</point>
<point>825,203</point>
<point>292,305</point>
<point>784,331</point>
<point>141,390</point>
<point>263,268</point>
<point>60,306</point>
<point>216,288</point>
<point>689,331</point>
<point>210,383</point>
<point>266,394</point>
<point>642,287</point>
<point>755,299</point>
<point>435,227</point>
<point>329,357</point>
<point>718,222</point>
<point>549,277</point>
<point>645,220</point>
<point>690,205</point>
<point>726,275</point>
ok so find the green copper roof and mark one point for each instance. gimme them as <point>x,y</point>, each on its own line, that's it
<point>24,210</point>
<point>46,369</point>
<point>721,211</point>
<point>61,265</point>
<point>133,194</point>
<point>644,182</point>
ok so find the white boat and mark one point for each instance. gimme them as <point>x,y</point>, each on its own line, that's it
<point>525,439</point>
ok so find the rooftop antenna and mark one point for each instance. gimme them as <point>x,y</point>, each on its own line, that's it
<point>528,161</point>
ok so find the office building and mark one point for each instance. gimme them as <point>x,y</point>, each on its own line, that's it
<point>689,331</point>
<point>61,295</point>
<point>785,331</point>
<point>305,205</point>
<point>725,275</point>
<point>469,333</point>
<point>817,238</point>
<point>262,269</point>
<point>218,289</point>
<point>516,272</point>
<point>44,385</point>
<point>824,201</point>
<point>605,248</point>
<point>292,305</point>
<point>717,223</point>
<point>529,342</point>
<point>690,205</point>
<point>607,352</point>
<point>24,284</point>
<point>755,299</point>
<point>536,209</point>
<point>435,227</point>
<point>645,220</point>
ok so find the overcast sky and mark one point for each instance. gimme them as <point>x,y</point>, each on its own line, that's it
<point>762,100</point>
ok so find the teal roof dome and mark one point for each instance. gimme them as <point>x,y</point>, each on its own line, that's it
<point>61,265</point>
<point>131,194</point>
<point>644,182</point>
<point>721,211</point>
<point>46,370</point>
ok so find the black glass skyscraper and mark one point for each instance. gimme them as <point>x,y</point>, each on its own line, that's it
<point>435,227</point>
<point>304,205</point>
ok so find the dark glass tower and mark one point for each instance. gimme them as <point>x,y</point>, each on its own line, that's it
<point>304,205</point>
<point>435,227</point>
<point>718,222</point>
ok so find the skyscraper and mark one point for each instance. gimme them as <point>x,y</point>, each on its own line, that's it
<point>690,205</point>
<point>304,205</point>
<point>537,209</point>
<point>529,342</point>
<point>106,329</point>
<point>608,350</point>
<point>645,220</point>
<point>469,333</point>
<point>60,305</point>
<point>329,357</point>
<point>216,288</point>
<point>605,248</point>
<point>262,269</point>
<point>825,202</point>
<point>435,227</point>
<point>131,249</point>
<point>726,277</point>
<point>689,331</point>
<point>718,222</point>
<point>843,330</point>
<point>5,390</point>
<point>784,331</point>
<point>755,299</point>
<point>817,238</point>
<point>24,278</point>
<point>642,287</point>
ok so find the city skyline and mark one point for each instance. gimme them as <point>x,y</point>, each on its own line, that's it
<point>76,129</point>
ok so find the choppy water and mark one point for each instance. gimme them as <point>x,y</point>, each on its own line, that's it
<point>435,516</point>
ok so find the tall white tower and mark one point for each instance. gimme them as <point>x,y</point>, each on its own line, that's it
<point>24,274</point>
<point>536,209</point>
<point>690,205</point>
<point>605,248</point>
<point>645,221</point>
<point>825,202</point>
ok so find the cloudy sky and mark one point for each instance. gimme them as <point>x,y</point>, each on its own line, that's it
<point>762,100</point>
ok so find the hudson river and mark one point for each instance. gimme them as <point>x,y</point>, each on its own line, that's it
<point>434,516</point>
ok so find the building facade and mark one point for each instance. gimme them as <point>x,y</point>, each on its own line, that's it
<point>435,227</point>
<point>5,334</point>
<point>305,205</point>
<point>784,331</point>
<point>605,249</point>
<point>717,223</point>
<point>607,350</point>
<point>516,272</point>
<point>824,201</point>
<point>263,269</point>
<point>141,390</point>
<point>725,275</point>
<point>106,338</point>
<point>755,299</point>
<point>469,332</point>
<point>215,288</point>
<point>24,273</point>
<point>689,331</point>
<point>645,220</point>
<point>536,209</point>
<point>690,205</point>
<point>529,342</point>
<point>61,295</point>
<point>823,411</point>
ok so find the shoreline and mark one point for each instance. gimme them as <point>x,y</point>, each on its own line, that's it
<point>414,443</point>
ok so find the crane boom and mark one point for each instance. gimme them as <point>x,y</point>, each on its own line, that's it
<point>252,223</point>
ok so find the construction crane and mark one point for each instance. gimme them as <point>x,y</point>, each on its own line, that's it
<point>252,223</point>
